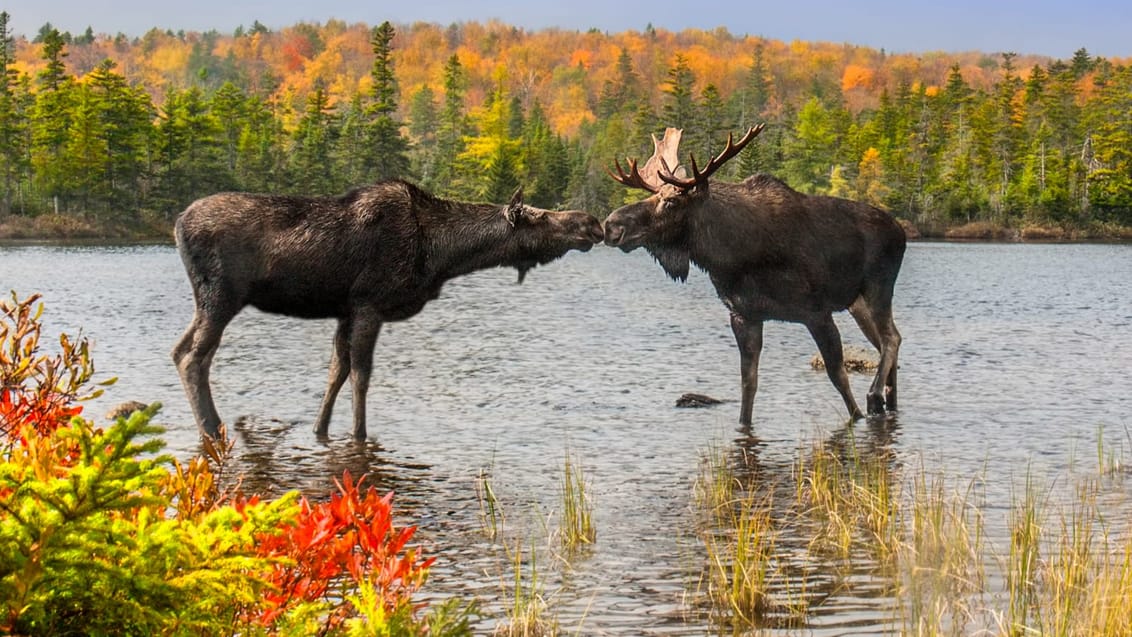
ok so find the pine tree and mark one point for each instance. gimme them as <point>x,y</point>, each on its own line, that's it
<point>754,96</point>
<point>228,106</point>
<point>452,128</point>
<point>679,109</point>
<point>811,162</point>
<point>195,158</point>
<point>14,103</point>
<point>711,128</point>
<point>260,158</point>
<point>546,159</point>
<point>311,165</point>
<point>109,139</point>
<point>51,117</point>
<point>1006,139</point>
<point>423,122</point>
<point>388,150</point>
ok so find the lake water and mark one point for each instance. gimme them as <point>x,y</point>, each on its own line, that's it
<point>1015,359</point>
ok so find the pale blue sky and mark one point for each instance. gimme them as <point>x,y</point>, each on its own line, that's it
<point>1043,27</point>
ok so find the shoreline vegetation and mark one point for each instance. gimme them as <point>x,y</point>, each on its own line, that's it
<point>65,228</point>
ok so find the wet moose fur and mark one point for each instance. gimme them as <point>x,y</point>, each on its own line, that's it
<point>376,254</point>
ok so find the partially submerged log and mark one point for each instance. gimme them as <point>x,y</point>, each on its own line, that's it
<point>696,400</point>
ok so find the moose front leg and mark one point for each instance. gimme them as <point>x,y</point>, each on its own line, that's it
<point>364,330</point>
<point>828,339</point>
<point>749,337</point>
<point>193,357</point>
<point>339,372</point>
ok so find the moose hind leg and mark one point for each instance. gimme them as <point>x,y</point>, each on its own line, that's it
<point>863,314</point>
<point>339,372</point>
<point>884,384</point>
<point>828,339</point>
<point>749,337</point>
<point>193,357</point>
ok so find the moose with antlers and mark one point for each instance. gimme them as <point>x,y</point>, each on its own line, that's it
<point>773,254</point>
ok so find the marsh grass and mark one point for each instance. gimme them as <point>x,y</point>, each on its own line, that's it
<point>777,543</point>
<point>577,528</point>
<point>1063,572</point>
<point>939,557</point>
<point>716,485</point>
<point>1023,559</point>
<point>491,513</point>
<point>527,609</point>
<point>742,583</point>
<point>739,571</point>
<point>856,513</point>
<point>1069,573</point>
<point>850,496</point>
<point>1111,462</point>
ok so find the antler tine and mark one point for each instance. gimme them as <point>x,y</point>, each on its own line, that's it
<point>633,179</point>
<point>714,163</point>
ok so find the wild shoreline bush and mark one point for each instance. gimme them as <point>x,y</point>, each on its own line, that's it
<point>100,533</point>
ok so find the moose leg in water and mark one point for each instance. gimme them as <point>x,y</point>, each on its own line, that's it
<point>193,356</point>
<point>352,357</point>
<point>749,336</point>
<point>828,339</point>
<point>376,254</point>
<point>870,318</point>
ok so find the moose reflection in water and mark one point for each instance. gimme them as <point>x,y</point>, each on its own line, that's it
<point>772,254</point>
<point>376,254</point>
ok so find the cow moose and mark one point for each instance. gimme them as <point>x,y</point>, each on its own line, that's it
<point>772,253</point>
<point>376,254</point>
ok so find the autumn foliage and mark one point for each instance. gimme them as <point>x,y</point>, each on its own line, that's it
<point>101,534</point>
<point>469,110</point>
<point>351,535</point>
<point>38,389</point>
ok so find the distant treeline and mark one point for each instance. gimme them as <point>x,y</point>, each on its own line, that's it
<point>133,129</point>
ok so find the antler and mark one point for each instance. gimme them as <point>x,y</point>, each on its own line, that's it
<point>698,177</point>
<point>648,178</point>
<point>633,179</point>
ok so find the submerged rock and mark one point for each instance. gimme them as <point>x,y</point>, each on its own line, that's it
<point>696,400</point>
<point>125,409</point>
<point>857,359</point>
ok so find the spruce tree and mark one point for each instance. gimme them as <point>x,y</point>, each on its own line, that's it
<point>388,150</point>
<point>14,98</point>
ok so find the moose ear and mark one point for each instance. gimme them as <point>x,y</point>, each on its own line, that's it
<point>513,210</point>
<point>512,213</point>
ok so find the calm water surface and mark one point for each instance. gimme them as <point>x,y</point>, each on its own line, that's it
<point>1015,358</point>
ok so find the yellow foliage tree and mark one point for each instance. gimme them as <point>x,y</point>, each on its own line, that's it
<point>870,178</point>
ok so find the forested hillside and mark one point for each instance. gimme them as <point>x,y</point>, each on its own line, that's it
<point>132,129</point>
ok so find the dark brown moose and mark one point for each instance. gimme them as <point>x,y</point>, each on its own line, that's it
<point>772,254</point>
<point>377,254</point>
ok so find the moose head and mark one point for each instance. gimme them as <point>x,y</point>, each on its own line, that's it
<point>660,219</point>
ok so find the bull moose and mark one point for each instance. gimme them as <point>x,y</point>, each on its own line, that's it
<point>376,254</point>
<point>772,253</point>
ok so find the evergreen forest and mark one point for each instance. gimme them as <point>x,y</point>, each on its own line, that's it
<point>128,131</point>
